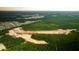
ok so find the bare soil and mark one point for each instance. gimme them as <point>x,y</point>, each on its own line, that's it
<point>2,47</point>
<point>26,35</point>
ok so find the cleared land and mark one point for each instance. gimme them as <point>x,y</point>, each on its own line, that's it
<point>26,35</point>
<point>2,47</point>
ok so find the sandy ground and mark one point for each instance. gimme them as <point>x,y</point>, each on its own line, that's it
<point>17,32</point>
<point>58,31</point>
<point>26,35</point>
<point>2,47</point>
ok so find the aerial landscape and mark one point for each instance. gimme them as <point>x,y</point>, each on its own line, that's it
<point>39,30</point>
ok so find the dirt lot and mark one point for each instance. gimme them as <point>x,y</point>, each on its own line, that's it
<point>26,35</point>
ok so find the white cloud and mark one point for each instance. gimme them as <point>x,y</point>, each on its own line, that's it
<point>42,4</point>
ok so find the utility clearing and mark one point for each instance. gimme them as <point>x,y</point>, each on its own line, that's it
<point>26,35</point>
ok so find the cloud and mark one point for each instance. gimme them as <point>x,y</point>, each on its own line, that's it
<point>67,5</point>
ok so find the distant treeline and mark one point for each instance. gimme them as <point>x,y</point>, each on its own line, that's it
<point>19,15</point>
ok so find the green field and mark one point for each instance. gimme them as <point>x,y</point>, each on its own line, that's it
<point>55,42</point>
<point>51,23</point>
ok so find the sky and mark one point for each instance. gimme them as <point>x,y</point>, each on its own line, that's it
<point>48,5</point>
